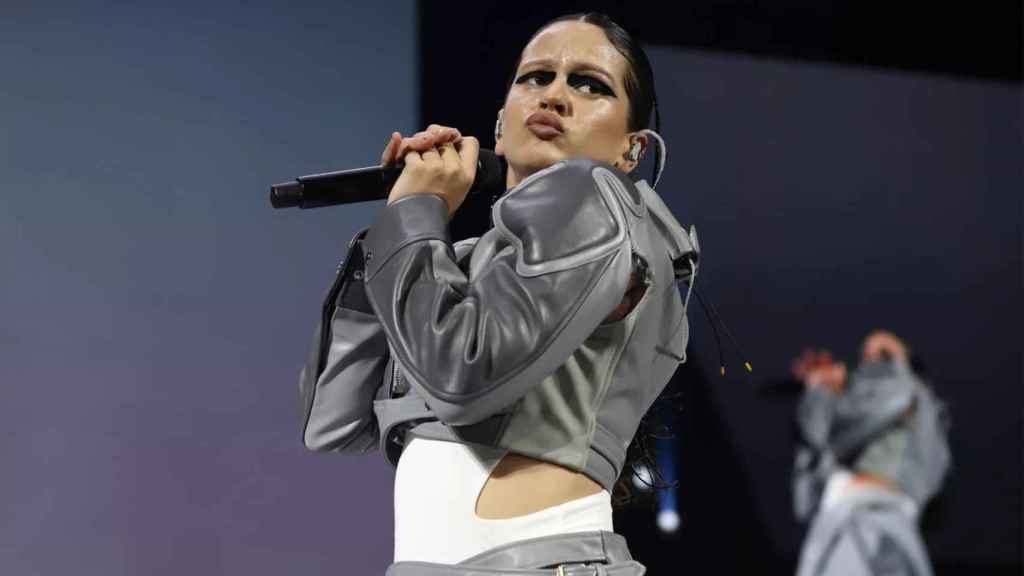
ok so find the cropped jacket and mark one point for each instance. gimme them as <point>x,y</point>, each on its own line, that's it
<point>886,422</point>
<point>502,340</point>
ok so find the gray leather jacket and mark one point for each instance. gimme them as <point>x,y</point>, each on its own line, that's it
<point>500,340</point>
<point>887,422</point>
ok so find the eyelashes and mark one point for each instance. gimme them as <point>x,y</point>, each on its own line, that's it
<point>542,77</point>
<point>579,81</point>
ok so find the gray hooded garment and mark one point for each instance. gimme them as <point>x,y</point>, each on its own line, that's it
<point>500,340</point>
<point>886,423</point>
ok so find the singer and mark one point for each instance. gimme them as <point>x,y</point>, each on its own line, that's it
<point>506,375</point>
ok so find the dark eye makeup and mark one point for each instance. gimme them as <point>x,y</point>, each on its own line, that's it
<point>544,77</point>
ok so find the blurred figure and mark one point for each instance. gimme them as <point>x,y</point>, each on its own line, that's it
<point>873,452</point>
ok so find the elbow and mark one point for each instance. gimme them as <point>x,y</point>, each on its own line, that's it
<point>315,440</point>
<point>314,443</point>
<point>356,438</point>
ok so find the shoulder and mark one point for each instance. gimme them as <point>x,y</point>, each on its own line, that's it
<point>567,215</point>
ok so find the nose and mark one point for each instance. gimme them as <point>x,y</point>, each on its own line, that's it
<point>554,99</point>
<point>554,104</point>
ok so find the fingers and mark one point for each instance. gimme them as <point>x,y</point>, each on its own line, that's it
<point>444,134</point>
<point>391,150</point>
<point>450,157</point>
<point>445,155</point>
<point>439,147</point>
<point>431,156</point>
<point>420,142</point>
<point>435,135</point>
<point>812,364</point>
<point>417,143</point>
<point>469,151</point>
<point>412,159</point>
<point>439,161</point>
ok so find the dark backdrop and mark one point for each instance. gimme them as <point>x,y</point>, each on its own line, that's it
<point>848,168</point>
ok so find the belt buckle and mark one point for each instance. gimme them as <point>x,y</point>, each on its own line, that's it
<point>561,570</point>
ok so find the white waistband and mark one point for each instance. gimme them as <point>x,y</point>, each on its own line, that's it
<point>841,488</point>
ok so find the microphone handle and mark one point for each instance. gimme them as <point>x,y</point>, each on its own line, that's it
<point>363,184</point>
<point>333,188</point>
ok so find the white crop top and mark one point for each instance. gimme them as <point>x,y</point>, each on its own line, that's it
<point>436,488</point>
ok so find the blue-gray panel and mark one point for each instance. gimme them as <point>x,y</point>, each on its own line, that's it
<point>155,311</point>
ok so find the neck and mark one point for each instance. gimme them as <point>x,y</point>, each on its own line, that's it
<point>516,173</point>
<point>513,177</point>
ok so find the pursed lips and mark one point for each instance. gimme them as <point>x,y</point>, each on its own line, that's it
<point>545,125</point>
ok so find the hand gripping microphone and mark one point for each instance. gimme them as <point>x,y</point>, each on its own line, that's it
<point>372,183</point>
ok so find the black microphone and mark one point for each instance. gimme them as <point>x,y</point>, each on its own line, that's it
<point>372,183</point>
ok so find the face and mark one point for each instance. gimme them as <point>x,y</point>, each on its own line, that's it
<point>568,100</point>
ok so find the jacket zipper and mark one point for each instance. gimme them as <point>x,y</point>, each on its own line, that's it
<point>396,379</point>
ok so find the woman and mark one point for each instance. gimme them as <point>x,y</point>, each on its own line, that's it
<point>507,374</point>
<point>874,453</point>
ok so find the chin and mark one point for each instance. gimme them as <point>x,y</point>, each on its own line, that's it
<point>538,158</point>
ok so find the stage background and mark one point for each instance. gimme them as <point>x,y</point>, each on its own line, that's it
<point>847,167</point>
<point>155,310</point>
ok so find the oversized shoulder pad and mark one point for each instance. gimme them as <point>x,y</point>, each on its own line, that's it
<point>566,215</point>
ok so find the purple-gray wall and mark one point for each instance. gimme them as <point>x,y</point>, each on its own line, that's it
<point>154,311</point>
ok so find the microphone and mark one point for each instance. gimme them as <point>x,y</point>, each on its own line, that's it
<point>372,183</point>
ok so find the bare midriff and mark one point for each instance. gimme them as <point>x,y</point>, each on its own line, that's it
<point>521,485</point>
<point>874,480</point>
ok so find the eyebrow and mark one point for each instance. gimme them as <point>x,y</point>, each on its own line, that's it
<point>576,65</point>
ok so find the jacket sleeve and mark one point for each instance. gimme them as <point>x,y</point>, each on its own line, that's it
<point>815,413</point>
<point>813,462</point>
<point>555,265</point>
<point>345,366</point>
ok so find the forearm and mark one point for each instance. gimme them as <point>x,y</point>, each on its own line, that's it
<point>472,343</point>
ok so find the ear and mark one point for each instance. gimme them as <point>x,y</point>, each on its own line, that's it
<point>635,146</point>
<point>499,148</point>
